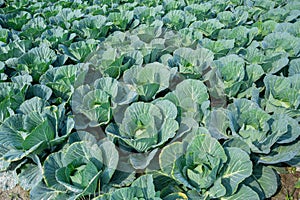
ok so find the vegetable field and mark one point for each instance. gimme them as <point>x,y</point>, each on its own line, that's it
<point>149,99</point>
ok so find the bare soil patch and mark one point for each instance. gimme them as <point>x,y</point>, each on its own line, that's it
<point>17,193</point>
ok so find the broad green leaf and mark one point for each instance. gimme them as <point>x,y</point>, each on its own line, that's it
<point>34,104</point>
<point>205,144</point>
<point>142,160</point>
<point>169,155</point>
<point>192,61</point>
<point>82,136</point>
<point>190,94</point>
<point>38,60</point>
<point>280,153</point>
<point>208,27</point>
<point>41,191</point>
<point>96,107</point>
<point>52,163</point>
<point>12,133</point>
<point>82,150</point>
<point>110,161</point>
<point>30,176</point>
<point>244,192</point>
<point>282,94</point>
<point>63,79</point>
<point>145,186</point>
<point>217,190</point>
<point>232,72</point>
<point>282,41</point>
<point>264,178</point>
<point>294,67</point>
<point>79,51</point>
<point>123,193</point>
<point>16,155</point>
<point>41,91</point>
<point>239,143</point>
<point>219,47</point>
<point>218,123</point>
<point>240,34</point>
<point>108,85</point>
<point>42,133</point>
<point>237,168</point>
<point>149,80</point>
<point>175,19</point>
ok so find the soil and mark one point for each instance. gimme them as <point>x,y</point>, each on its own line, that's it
<point>17,193</point>
<point>287,187</point>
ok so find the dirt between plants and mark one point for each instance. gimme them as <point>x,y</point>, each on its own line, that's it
<point>287,187</point>
<point>17,193</point>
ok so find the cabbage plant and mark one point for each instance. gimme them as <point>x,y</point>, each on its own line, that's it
<point>265,135</point>
<point>269,139</point>
<point>29,134</point>
<point>282,94</point>
<point>149,80</point>
<point>81,168</point>
<point>144,128</point>
<point>12,95</point>
<point>93,104</point>
<point>207,169</point>
<point>142,188</point>
<point>191,98</point>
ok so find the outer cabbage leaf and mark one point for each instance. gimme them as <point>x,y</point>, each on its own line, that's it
<point>209,27</point>
<point>147,14</point>
<point>231,69</point>
<point>205,167</point>
<point>13,94</point>
<point>33,28</point>
<point>191,98</point>
<point>284,41</point>
<point>144,128</point>
<point>77,170</point>
<point>146,33</point>
<point>282,94</point>
<point>231,19</point>
<point>219,47</point>
<point>186,37</point>
<point>266,135</point>
<point>65,17</point>
<point>14,50</point>
<point>142,187</point>
<point>242,35</point>
<point>263,181</point>
<point>177,19</point>
<point>56,36</point>
<point>94,104</point>
<point>121,19</point>
<point>149,80</point>
<point>146,125</point>
<point>201,10</point>
<point>91,27</point>
<point>37,128</point>
<point>116,55</point>
<point>62,80</point>
<point>37,61</point>
<point>79,51</point>
<point>294,67</point>
<point>193,62</point>
<point>41,91</point>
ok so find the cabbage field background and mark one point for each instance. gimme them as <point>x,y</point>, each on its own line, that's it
<point>123,99</point>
